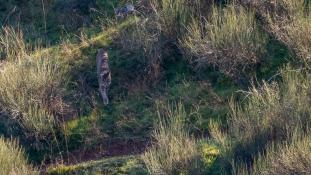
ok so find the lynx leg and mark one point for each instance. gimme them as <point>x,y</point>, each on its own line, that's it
<point>104,94</point>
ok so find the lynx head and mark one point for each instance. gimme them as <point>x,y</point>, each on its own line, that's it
<point>102,53</point>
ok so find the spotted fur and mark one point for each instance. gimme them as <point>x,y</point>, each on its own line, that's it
<point>103,73</point>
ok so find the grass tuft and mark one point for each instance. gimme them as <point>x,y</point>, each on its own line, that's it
<point>12,44</point>
<point>175,151</point>
<point>12,159</point>
<point>32,88</point>
<point>229,39</point>
<point>271,114</point>
<point>289,158</point>
<point>289,21</point>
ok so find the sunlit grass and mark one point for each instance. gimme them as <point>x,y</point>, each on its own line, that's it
<point>175,151</point>
<point>13,160</point>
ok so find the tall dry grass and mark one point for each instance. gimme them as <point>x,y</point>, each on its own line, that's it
<point>294,29</point>
<point>289,158</point>
<point>143,38</point>
<point>150,36</point>
<point>12,44</point>
<point>174,15</point>
<point>31,85</point>
<point>174,150</point>
<point>289,21</point>
<point>229,39</point>
<point>13,160</point>
<point>271,113</point>
<point>28,91</point>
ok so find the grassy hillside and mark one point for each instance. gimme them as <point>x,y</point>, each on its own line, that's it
<point>198,87</point>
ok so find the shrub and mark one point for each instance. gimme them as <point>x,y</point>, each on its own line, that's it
<point>229,39</point>
<point>143,38</point>
<point>30,92</point>
<point>151,37</point>
<point>294,29</point>
<point>31,88</point>
<point>175,151</point>
<point>174,15</point>
<point>271,113</point>
<point>12,159</point>
<point>289,21</point>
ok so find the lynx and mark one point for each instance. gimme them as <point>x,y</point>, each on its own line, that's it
<point>103,73</point>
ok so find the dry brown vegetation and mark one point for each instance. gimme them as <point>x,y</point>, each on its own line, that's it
<point>295,29</point>
<point>228,39</point>
<point>31,85</point>
<point>271,114</point>
<point>12,44</point>
<point>151,35</point>
<point>289,21</point>
<point>144,38</point>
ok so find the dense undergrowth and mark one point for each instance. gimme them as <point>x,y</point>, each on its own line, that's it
<point>238,70</point>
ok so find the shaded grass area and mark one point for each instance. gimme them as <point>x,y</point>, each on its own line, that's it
<point>52,21</point>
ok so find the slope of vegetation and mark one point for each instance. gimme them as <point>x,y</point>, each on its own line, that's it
<point>198,87</point>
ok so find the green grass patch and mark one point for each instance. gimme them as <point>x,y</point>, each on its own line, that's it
<point>130,165</point>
